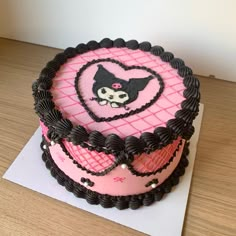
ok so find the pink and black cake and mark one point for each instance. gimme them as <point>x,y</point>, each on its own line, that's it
<point>116,118</point>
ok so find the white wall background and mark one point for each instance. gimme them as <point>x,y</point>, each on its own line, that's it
<point>202,32</point>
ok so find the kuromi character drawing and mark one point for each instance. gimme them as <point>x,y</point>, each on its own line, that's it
<point>114,91</point>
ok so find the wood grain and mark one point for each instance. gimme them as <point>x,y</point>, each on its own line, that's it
<point>212,202</point>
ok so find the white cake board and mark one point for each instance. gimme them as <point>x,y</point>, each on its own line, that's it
<point>29,171</point>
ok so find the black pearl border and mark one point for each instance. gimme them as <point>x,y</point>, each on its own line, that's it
<point>179,126</point>
<point>120,202</point>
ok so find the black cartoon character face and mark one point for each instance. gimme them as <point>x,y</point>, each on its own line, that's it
<point>117,92</point>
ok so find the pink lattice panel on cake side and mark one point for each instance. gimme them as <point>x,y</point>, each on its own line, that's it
<point>66,100</point>
<point>151,162</point>
<point>91,160</point>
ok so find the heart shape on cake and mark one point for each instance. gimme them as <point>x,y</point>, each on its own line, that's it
<point>110,90</point>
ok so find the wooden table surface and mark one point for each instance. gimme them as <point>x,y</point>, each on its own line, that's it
<point>212,202</point>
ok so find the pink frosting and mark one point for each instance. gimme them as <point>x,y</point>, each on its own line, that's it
<point>117,182</point>
<point>66,100</point>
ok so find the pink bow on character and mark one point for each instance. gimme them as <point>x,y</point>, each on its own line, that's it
<point>116,85</point>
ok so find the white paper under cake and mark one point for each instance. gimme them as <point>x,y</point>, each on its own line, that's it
<point>29,170</point>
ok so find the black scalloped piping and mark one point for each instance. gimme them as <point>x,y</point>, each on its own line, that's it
<point>88,181</point>
<point>154,181</point>
<point>132,44</point>
<point>157,50</point>
<point>121,158</point>
<point>120,202</point>
<point>119,43</point>
<point>93,45</point>
<point>190,82</point>
<point>166,56</point>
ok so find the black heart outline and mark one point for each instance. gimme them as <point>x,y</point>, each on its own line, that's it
<point>129,113</point>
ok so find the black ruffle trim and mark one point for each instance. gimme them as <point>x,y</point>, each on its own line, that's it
<point>161,137</point>
<point>120,202</point>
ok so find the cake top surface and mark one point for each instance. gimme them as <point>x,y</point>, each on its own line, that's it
<point>117,87</point>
